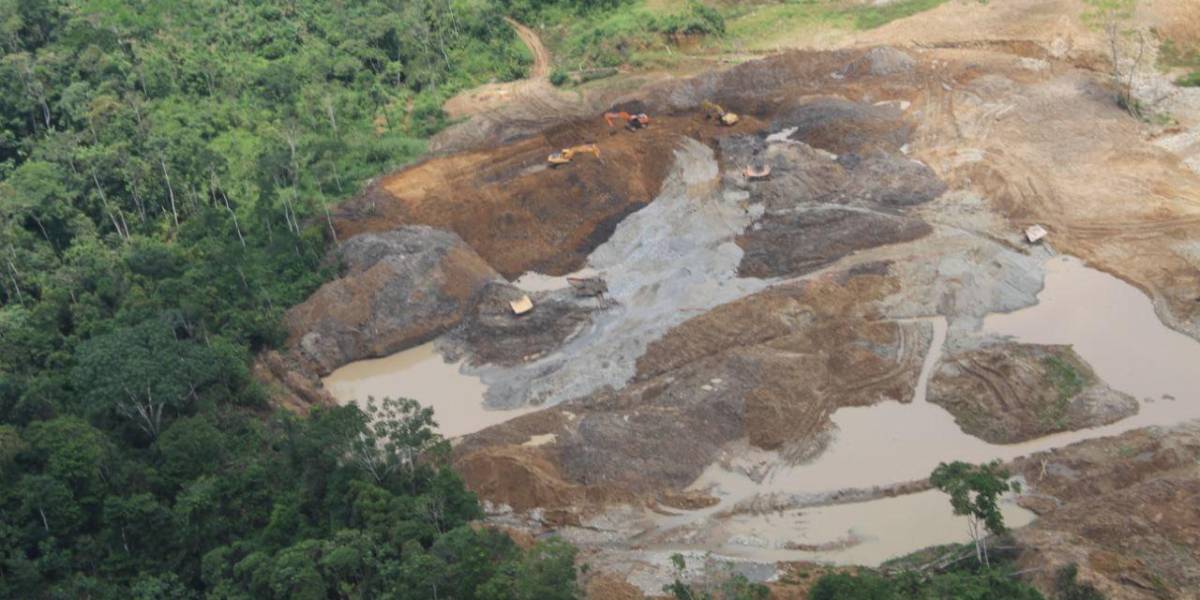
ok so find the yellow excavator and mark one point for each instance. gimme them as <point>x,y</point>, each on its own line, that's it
<point>725,117</point>
<point>565,155</point>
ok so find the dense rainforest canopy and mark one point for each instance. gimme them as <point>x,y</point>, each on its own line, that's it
<point>164,171</point>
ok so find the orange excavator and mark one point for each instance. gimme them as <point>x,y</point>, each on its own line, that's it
<point>632,122</point>
<point>565,155</point>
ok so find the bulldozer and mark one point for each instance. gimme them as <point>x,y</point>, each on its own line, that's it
<point>565,155</point>
<point>723,116</point>
<point>632,122</point>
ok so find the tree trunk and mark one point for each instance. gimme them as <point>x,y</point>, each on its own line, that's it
<point>332,231</point>
<point>170,190</point>
<point>12,274</point>
<point>236,226</point>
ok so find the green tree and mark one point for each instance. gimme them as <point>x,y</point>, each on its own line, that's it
<point>11,446</point>
<point>975,492</point>
<point>391,436</point>
<point>146,373</point>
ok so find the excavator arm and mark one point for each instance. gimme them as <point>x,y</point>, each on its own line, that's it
<point>631,121</point>
<point>565,155</point>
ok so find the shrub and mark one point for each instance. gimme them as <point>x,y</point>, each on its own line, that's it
<point>1190,80</point>
<point>1068,589</point>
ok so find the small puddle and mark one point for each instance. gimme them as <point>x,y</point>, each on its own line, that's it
<point>532,281</point>
<point>1109,323</point>
<point>421,374</point>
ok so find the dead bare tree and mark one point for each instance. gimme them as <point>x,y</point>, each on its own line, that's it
<point>1127,51</point>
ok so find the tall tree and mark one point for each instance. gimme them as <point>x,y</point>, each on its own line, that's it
<point>975,492</point>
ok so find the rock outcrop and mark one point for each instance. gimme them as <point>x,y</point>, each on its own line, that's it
<point>399,288</point>
<point>818,206</point>
<point>491,334</point>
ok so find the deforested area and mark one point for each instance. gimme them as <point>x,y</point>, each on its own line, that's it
<point>628,299</point>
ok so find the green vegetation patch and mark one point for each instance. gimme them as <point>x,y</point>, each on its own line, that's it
<point>1064,376</point>
<point>1067,381</point>
<point>610,39</point>
<point>870,16</point>
<point>1173,55</point>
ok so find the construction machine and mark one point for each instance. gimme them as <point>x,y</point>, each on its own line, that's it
<point>633,121</point>
<point>752,172</point>
<point>723,116</point>
<point>565,155</point>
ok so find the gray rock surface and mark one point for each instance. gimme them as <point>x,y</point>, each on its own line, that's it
<point>398,288</point>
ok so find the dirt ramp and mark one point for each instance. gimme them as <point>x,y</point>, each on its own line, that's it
<point>843,126</point>
<point>509,206</point>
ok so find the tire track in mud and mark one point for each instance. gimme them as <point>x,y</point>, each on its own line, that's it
<point>904,358</point>
<point>1130,229</point>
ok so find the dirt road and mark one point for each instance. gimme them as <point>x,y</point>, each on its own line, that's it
<point>541,57</point>
<point>494,100</point>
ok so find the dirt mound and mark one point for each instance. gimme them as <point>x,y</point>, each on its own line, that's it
<point>1123,508</point>
<point>604,586</point>
<point>399,288</point>
<point>842,126</point>
<point>795,244</point>
<point>1006,393</point>
<point>884,61</point>
<point>819,207</point>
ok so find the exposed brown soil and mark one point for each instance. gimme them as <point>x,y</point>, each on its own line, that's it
<point>1007,393</point>
<point>1019,128</point>
<point>603,586</point>
<point>1126,509</point>
<point>771,367</point>
<point>515,212</point>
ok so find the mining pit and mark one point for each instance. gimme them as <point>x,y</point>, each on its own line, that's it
<point>779,363</point>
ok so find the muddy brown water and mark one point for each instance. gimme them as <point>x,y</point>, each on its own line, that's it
<point>1108,322</point>
<point>420,373</point>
